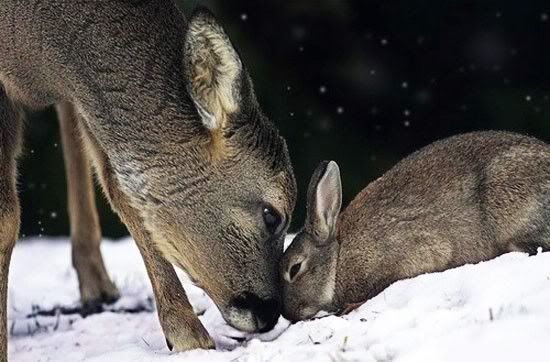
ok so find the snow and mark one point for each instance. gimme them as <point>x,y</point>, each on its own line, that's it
<point>497,310</point>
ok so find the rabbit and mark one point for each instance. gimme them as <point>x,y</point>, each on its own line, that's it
<point>460,200</point>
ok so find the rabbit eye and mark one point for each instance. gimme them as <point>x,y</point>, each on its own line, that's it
<point>294,270</point>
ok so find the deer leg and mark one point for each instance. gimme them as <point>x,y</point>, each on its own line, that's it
<point>182,328</point>
<point>95,285</point>
<point>10,134</point>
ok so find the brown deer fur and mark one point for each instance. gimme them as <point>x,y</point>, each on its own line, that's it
<point>164,110</point>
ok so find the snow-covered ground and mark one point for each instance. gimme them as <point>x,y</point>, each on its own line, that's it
<point>493,311</point>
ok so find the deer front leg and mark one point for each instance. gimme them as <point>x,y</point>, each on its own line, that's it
<point>10,133</point>
<point>95,285</point>
<point>9,229</point>
<point>182,328</point>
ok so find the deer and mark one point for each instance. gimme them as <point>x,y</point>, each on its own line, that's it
<point>461,200</point>
<point>162,110</point>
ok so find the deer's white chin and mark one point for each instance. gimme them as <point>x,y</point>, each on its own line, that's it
<point>240,319</point>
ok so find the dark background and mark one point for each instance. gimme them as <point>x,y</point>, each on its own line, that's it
<point>360,82</point>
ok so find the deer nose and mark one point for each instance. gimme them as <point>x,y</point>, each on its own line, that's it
<point>266,311</point>
<point>267,314</point>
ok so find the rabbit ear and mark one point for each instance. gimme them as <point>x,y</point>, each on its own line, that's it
<point>324,201</point>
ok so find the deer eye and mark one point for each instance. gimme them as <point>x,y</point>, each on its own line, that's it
<point>272,219</point>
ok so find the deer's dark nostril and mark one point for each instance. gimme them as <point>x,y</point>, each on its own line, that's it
<point>294,270</point>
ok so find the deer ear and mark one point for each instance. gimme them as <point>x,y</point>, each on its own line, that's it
<point>213,69</point>
<point>324,201</point>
